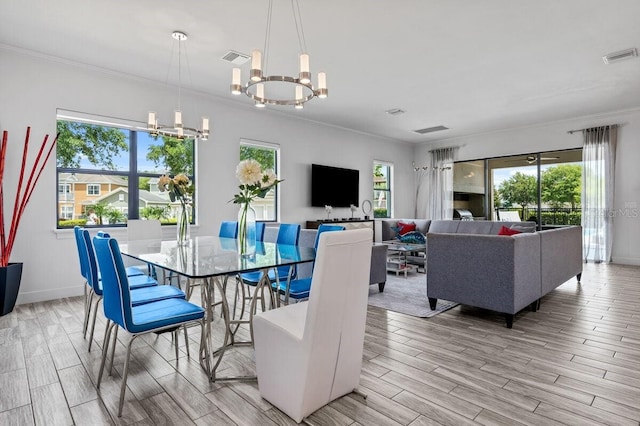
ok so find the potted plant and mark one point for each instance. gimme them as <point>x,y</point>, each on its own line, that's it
<point>11,273</point>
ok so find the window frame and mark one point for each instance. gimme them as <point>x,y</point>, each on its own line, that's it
<point>131,174</point>
<point>389,191</point>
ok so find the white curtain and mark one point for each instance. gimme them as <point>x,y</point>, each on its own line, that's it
<point>440,184</point>
<point>598,156</point>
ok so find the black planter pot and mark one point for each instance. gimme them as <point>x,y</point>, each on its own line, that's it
<point>10,277</point>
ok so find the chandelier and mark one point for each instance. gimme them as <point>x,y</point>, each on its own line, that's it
<point>178,130</point>
<point>280,89</point>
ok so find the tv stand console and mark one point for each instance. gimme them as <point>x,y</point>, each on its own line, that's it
<point>347,223</point>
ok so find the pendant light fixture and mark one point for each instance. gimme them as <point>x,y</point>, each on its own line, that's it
<point>178,130</point>
<point>280,89</point>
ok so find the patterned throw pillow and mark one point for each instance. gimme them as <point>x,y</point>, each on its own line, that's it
<point>412,237</point>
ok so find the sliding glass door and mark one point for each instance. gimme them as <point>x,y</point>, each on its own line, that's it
<point>544,187</point>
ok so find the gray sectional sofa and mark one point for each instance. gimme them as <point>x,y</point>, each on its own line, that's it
<point>468,262</point>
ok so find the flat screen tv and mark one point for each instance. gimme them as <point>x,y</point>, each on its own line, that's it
<point>334,186</point>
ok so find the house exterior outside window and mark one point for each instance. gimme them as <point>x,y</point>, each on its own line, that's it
<point>114,169</point>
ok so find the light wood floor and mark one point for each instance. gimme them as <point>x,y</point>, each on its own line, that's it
<point>575,361</point>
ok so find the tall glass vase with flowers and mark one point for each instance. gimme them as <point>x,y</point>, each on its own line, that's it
<point>254,183</point>
<point>180,189</point>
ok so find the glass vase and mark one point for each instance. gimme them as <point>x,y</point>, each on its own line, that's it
<point>183,225</point>
<point>246,230</point>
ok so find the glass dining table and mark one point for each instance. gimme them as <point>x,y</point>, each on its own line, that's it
<point>212,260</point>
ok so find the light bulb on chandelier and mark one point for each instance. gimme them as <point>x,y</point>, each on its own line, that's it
<point>280,89</point>
<point>178,130</point>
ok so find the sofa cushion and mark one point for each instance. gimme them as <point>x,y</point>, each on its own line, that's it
<point>508,231</point>
<point>474,227</point>
<point>524,226</point>
<point>389,227</point>
<point>495,226</point>
<point>444,226</point>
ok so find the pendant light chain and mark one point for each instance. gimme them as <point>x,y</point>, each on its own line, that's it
<point>179,75</point>
<point>267,37</point>
<point>297,18</point>
<point>178,130</point>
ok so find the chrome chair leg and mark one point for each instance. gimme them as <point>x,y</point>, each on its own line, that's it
<point>125,373</point>
<point>186,341</point>
<point>175,337</point>
<point>93,324</point>
<point>87,310</point>
<point>105,350</point>
<point>113,351</point>
<point>84,326</point>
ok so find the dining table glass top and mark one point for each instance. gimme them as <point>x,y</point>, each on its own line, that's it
<point>210,256</point>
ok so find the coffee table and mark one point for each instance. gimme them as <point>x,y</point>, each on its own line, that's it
<point>405,257</point>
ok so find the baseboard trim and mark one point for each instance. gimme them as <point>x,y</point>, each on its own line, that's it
<point>44,295</point>
<point>633,261</point>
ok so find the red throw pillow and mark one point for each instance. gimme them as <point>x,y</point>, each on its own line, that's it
<point>508,231</point>
<point>403,228</point>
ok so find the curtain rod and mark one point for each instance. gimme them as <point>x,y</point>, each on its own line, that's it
<point>589,128</point>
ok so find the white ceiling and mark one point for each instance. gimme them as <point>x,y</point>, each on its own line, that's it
<point>473,66</point>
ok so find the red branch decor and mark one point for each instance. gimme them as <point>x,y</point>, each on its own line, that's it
<point>22,194</point>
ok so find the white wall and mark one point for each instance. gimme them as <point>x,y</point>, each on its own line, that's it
<point>554,136</point>
<point>32,88</point>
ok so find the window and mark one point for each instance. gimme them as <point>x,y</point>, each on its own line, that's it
<point>64,188</point>
<point>268,155</point>
<point>113,170</point>
<point>382,178</point>
<point>66,212</point>
<point>93,189</point>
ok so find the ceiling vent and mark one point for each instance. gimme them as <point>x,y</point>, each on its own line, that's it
<point>236,58</point>
<point>431,129</point>
<point>395,111</point>
<point>621,55</point>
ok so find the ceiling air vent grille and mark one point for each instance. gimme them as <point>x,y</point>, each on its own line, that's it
<point>395,111</point>
<point>431,129</point>
<point>621,55</point>
<point>235,57</point>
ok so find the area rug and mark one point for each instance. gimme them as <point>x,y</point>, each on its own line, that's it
<point>407,296</point>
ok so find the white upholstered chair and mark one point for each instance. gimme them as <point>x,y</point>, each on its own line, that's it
<point>310,353</point>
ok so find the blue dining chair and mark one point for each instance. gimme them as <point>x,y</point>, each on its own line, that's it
<point>298,289</point>
<point>88,289</point>
<point>260,226</point>
<point>159,316</point>
<point>142,292</point>
<point>228,229</point>
<point>240,290</point>
<point>288,234</point>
